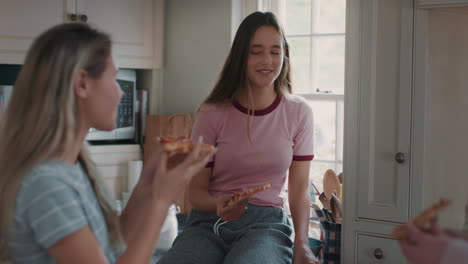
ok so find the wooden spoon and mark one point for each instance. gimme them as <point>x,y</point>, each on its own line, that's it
<point>325,202</point>
<point>340,177</point>
<point>331,184</point>
<point>336,208</point>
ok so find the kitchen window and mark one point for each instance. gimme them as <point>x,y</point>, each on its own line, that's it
<point>315,30</point>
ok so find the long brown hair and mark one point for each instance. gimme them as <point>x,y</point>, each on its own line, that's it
<point>233,80</point>
<point>41,120</point>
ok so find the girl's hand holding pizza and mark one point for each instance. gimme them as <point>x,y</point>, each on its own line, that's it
<point>231,207</point>
<point>229,212</point>
<point>169,182</point>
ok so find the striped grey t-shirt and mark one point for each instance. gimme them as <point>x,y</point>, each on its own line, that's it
<point>55,200</point>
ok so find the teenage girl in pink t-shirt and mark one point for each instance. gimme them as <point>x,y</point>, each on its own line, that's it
<point>261,132</point>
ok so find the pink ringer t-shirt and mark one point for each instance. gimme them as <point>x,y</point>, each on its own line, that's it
<point>281,133</point>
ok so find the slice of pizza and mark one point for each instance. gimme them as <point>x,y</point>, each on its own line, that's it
<point>422,221</point>
<point>179,148</point>
<point>236,198</point>
<point>181,145</point>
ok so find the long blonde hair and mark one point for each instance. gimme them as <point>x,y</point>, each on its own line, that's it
<point>41,120</point>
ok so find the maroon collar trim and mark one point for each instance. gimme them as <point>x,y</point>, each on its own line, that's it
<point>261,112</point>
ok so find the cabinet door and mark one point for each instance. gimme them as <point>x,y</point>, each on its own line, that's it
<point>23,20</point>
<point>378,250</point>
<point>112,163</point>
<point>384,110</point>
<point>440,3</point>
<point>131,26</point>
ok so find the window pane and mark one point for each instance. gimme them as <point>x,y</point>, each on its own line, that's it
<point>324,129</point>
<point>317,170</point>
<point>299,54</point>
<point>339,168</point>
<point>328,63</point>
<point>298,14</point>
<point>331,16</point>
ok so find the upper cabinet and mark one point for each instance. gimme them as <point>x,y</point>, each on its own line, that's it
<point>23,20</point>
<point>136,26</point>
<point>132,26</point>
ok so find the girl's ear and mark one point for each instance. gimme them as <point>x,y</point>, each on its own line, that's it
<point>81,85</point>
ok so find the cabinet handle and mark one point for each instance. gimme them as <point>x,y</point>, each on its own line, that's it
<point>84,18</point>
<point>400,157</point>
<point>378,253</point>
<point>72,17</point>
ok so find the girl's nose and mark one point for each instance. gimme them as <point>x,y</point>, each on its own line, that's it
<point>266,58</point>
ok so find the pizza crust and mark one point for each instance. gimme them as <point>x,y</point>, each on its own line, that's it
<point>181,145</point>
<point>236,198</point>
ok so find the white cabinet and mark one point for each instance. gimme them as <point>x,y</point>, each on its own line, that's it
<point>378,250</point>
<point>377,124</point>
<point>132,25</point>
<point>23,20</point>
<point>112,164</point>
<point>441,3</point>
<point>384,110</point>
<point>405,134</point>
<point>440,88</point>
<point>136,27</point>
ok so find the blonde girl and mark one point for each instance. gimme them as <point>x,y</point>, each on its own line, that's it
<point>54,209</point>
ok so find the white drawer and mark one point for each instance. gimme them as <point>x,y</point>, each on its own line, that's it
<point>372,249</point>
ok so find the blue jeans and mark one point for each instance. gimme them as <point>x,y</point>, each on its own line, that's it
<point>261,235</point>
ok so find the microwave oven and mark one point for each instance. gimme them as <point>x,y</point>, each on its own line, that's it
<point>125,128</point>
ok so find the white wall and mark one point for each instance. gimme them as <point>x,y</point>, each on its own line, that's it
<point>447,154</point>
<point>197,40</point>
